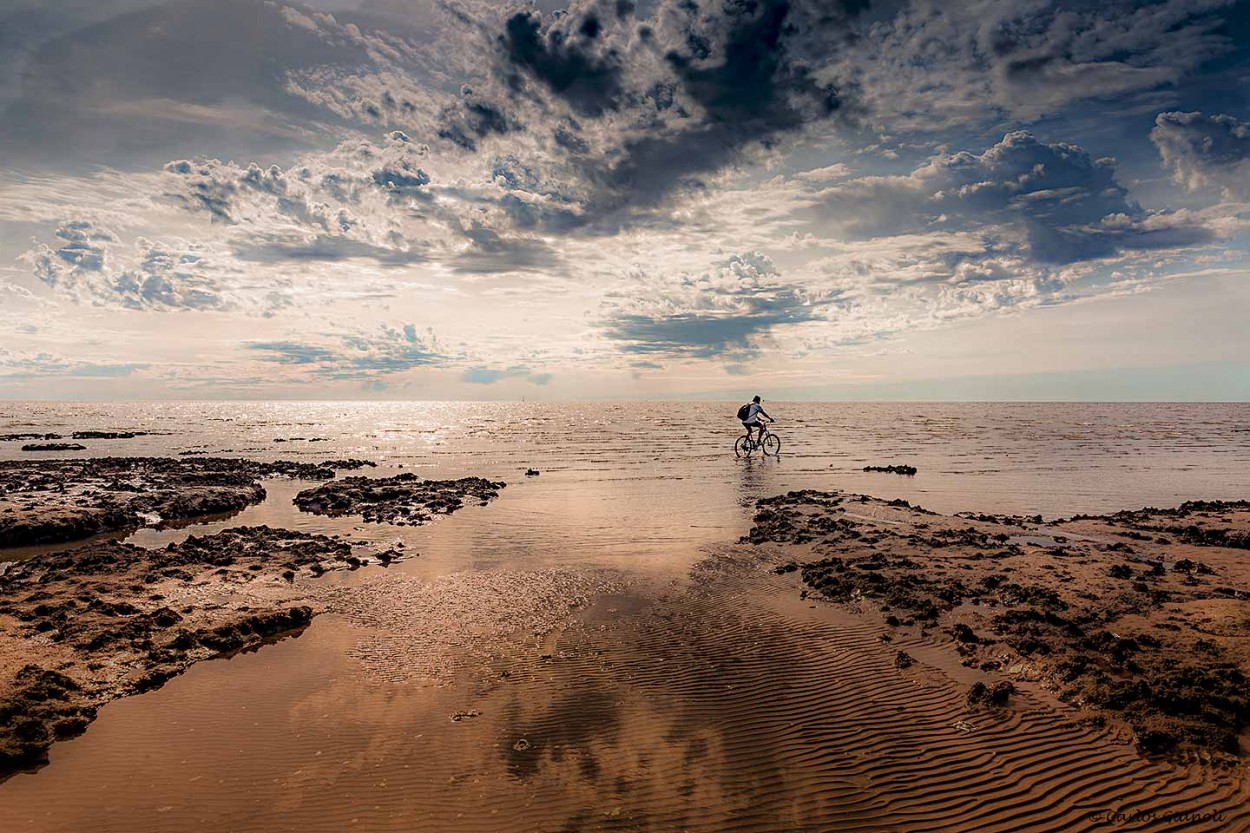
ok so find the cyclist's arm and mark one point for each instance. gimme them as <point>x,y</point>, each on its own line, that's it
<point>766,416</point>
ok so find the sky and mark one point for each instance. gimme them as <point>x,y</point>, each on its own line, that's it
<point>467,199</point>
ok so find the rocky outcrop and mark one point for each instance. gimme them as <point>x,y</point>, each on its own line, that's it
<point>56,501</point>
<point>404,500</point>
<point>110,619</point>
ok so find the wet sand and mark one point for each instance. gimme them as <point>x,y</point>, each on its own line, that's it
<point>750,693</point>
<point>725,702</point>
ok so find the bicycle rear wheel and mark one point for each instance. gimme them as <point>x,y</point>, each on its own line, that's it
<point>772,445</point>
<point>742,447</point>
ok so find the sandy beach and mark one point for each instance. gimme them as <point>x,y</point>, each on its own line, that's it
<point>838,661</point>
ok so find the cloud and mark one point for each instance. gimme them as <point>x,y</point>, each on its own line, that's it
<point>633,108</point>
<point>19,365</point>
<point>939,66</point>
<point>1052,201</point>
<point>96,66</point>
<point>383,352</point>
<point>91,265</point>
<point>490,375</point>
<point>365,200</point>
<point>728,312</point>
<point>1205,152</point>
<point>317,194</point>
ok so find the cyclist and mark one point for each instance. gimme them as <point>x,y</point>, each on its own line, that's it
<point>750,415</point>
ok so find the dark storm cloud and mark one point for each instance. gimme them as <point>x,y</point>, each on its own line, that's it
<point>1065,205</point>
<point>567,62</point>
<point>472,118</point>
<point>685,90</point>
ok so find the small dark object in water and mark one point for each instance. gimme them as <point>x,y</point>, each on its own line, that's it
<point>908,470</point>
<point>108,435</point>
<point>54,447</point>
<point>532,472</point>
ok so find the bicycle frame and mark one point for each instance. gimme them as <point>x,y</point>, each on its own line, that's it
<point>759,443</point>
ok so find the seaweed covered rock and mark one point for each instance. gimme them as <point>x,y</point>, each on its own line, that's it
<point>56,501</point>
<point>38,708</point>
<point>996,695</point>
<point>404,499</point>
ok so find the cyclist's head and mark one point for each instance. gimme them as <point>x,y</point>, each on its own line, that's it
<point>756,399</point>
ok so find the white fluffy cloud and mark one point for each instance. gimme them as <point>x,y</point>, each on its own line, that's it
<point>90,264</point>
<point>1206,152</point>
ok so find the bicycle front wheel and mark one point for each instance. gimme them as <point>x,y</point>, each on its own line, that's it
<point>772,445</point>
<point>742,447</point>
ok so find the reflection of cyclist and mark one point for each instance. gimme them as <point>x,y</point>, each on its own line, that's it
<point>750,415</point>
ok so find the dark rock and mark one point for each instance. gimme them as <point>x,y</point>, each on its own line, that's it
<point>404,499</point>
<point>997,695</point>
<point>963,633</point>
<point>108,435</point>
<point>79,498</point>
<point>906,470</point>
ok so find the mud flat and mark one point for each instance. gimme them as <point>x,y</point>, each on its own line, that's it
<point>1138,620</point>
<point>55,501</point>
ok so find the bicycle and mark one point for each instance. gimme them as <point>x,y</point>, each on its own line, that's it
<point>770,443</point>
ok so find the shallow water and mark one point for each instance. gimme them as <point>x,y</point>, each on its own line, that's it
<point>616,691</point>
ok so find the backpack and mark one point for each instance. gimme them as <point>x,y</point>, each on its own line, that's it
<point>744,412</point>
